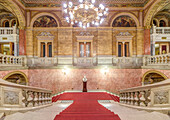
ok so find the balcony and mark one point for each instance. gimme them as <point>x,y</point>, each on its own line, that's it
<point>42,61</point>
<point>127,62</point>
<point>10,35</point>
<point>157,61</point>
<point>8,60</point>
<point>84,61</point>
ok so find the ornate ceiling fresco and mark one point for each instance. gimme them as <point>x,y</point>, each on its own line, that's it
<point>5,13</point>
<point>164,12</point>
<point>109,3</point>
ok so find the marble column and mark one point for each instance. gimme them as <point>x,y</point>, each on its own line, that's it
<point>46,49</point>
<point>140,39</point>
<point>123,49</point>
<point>29,41</point>
<point>22,41</point>
<point>147,44</point>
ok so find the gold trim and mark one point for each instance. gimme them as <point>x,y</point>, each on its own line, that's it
<point>147,27</point>
<point>16,72</point>
<point>154,71</point>
<point>21,27</point>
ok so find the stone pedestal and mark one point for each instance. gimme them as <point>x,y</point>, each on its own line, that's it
<point>84,86</point>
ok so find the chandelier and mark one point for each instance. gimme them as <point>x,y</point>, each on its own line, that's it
<point>85,14</point>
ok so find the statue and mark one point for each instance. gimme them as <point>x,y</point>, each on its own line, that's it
<point>84,84</point>
<point>84,79</point>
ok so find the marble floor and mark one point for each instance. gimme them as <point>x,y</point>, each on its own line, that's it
<point>124,113</point>
<point>47,113</point>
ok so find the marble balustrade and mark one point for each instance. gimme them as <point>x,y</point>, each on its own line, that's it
<point>21,96</point>
<point>9,60</point>
<point>153,95</point>
<point>8,30</point>
<point>10,35</point>
<point>127,62</point>
<point>163,59</point>
<point>120,62</point>
<point>42,61</point>
<point>85,61</point>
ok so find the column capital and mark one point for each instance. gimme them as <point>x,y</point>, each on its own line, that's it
<point>141,10</point>
<point>147,27</point>
<point>21,27</point>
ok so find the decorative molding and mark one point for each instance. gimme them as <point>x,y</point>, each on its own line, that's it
<point>85,34</point>
<point>110,3</point>
<point>124,36</point>
<point>85,38</point>
<point>45,36</point>
<point>11,97</point>
<point>161,97</point>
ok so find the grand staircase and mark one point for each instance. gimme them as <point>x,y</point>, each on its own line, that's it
<point>86,107</point>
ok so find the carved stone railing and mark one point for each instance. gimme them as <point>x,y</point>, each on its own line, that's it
<point>127,62</point>
<point>162,30</point>
<point>8,30</point>
<point>163,59</point>
<point>104,60</point>
<point>10,35</point>
<point>65,60</point>
<point>159,34</point>
<point>8,60</point>
<point>42,61</point>
<point>154,95</point>
<point>85,61</point>
<point>17,97</point>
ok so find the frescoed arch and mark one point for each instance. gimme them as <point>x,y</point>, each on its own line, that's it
<point>153,76</point>
<point>40,16</point>
<point>128,15</point>
<point>158,5</point>
<point>16,77</point>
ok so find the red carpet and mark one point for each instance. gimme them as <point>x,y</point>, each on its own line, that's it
<point>86,107</point>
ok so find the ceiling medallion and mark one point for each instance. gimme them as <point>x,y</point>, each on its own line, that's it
<point>85,14</point>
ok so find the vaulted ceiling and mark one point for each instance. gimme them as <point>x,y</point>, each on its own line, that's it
<point>110,3</point>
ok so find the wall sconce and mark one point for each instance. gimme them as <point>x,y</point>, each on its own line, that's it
<point>105,70</point>
<point>65,70</point>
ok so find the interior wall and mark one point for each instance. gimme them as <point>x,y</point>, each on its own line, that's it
<point>113,81</point>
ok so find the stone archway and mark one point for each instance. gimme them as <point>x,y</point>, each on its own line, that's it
<point>17,77</point>
<point>153,76</point>
<point>14,8</point>
<point>158,5</point>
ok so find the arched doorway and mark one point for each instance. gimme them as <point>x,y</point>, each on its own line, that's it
<point>17,77</point>
<point>151,77</point>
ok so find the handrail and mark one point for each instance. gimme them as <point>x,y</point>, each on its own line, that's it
<point>9,60</point>
<point>160,30</point>
<point>8,30</point>
<point>163,59</point>
<point>21,96</point>
<point>9,84</point>
<point>163,83</point>
<point>154,95</point>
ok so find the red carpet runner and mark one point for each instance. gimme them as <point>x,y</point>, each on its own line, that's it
<point>86,107</point>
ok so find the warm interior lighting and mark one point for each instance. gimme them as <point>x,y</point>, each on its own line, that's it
<point>105,70</point>
<point>85,14</point>
<point>65,70</point>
